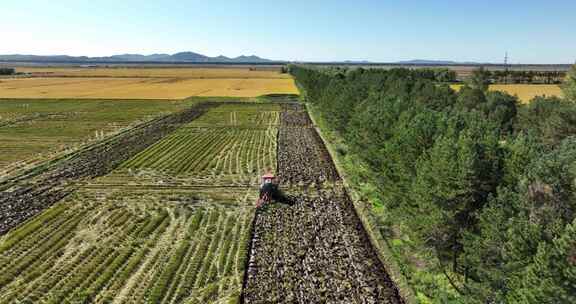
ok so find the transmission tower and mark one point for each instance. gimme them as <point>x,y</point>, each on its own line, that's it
<point>506,70</point>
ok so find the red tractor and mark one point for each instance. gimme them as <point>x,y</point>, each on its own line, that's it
<point>267,189</point>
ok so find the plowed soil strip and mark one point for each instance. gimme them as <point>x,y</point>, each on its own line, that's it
<point>313,249</point>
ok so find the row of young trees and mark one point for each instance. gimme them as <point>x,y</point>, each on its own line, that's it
<point>7,71</point>
<point>474,176</point>
<point>528,76</point>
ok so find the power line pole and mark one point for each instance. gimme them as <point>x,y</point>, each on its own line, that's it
<point>506,67</point>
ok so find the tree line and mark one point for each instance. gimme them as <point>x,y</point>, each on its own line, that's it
<point>7,71</point>
<point>526,77</point>
<point>475,189</point>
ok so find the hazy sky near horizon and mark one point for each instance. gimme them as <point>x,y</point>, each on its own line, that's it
<point>312,30</point>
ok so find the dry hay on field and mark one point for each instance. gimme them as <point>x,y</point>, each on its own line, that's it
<point>525,92</point>
<point>145,83</point>
<point>142,88</point>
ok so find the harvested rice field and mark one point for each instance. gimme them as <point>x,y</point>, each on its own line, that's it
<point>33,130</point>
<point>165,213</point>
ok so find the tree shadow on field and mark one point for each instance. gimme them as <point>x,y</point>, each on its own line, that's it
<point>279,199</point>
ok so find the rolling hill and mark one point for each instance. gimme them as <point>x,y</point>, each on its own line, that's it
<point>178,57</point>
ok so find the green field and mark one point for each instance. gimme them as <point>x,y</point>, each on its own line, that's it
<point>170,225</point>
<point>230,143</point>
<point>35,130</point>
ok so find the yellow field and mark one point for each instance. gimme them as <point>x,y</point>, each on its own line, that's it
<point>141,88</point>
<point>135,72</point>
<point>145,83</point>
<point>525,92</point>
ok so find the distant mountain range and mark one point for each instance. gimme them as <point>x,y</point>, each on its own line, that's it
<point>178,57</point>
<point>191,57</point>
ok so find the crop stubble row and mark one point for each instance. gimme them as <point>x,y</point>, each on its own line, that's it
<point>27,195</point>
<point>133,243</point>
<point>93,252</point>
<point>218,150</point>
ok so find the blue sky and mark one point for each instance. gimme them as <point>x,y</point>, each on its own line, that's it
<point>313,30</point>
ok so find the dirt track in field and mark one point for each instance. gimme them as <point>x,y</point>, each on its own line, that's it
<point>312,249</point>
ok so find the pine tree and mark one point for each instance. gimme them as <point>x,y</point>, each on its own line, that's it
<point>552,276</point>
<point>519,153</point>
<point>479,79</point>
<point>455,178</point>
<point>550,118</point>
<point>569,86</point>
<point>501,108</point>
<point>484,254</point>
<point>470,98</point>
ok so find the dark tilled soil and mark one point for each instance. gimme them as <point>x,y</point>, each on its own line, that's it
<point>293,115</point>
<point>312,248</point>
<point>301,160</point>
<point>302,157</point>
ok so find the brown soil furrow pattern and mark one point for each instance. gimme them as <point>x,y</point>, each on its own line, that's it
<point>312,249</point>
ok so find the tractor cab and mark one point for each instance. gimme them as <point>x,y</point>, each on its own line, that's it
<point>267,178</point>
<point>267,189</point>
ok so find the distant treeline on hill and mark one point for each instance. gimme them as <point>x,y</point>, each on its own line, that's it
<point>7,71</point>
<point>448,75</point>
<point>433,74</point>
<point>473,191</point>
<point>527,77</point>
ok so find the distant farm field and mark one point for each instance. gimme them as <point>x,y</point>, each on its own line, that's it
<point>141,83</point>
<point>141,88</point>
<point>525,92</point>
